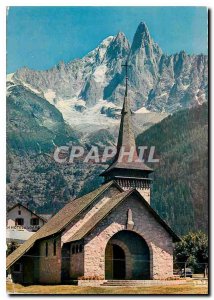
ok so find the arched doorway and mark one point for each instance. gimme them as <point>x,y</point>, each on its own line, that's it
<point>127,256</point>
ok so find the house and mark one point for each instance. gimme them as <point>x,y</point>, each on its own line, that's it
<point>109,233</point>
<point>21,217</point>
<point>22,223</point>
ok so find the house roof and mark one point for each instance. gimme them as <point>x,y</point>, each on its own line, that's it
<point>33,213</point>
<point>59,221</point>
<point>108,207</point>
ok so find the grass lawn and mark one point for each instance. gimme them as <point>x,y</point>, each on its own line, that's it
<point>70,289</point>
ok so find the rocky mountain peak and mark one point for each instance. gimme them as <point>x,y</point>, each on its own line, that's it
<point>106,42</point>
<point>142,28</point>
<point>158,81</point>
<point>142,37</point>
<point>120,36</point>
<point>118,48</point>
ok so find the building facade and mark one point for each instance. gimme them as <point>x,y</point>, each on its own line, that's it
<point>21,217</point>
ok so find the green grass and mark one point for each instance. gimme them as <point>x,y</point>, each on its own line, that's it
<point>69,289</point>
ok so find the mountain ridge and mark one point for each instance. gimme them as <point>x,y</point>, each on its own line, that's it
<point>157,81</point>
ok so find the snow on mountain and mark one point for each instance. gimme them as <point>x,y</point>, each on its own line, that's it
<point>10,77</point>
<point>86,120</point>
<point>100,74</point>
<point>83,88</point>
<point>50,95</point>
<point>142,110</point>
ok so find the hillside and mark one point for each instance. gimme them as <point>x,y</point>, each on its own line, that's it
<point>33,124</point>
<point>180,187</point>
<point>35,128</point>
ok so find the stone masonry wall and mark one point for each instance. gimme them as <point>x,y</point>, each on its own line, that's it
<point>76,264</point>
<point>50,266</point>
<point>158,239</point>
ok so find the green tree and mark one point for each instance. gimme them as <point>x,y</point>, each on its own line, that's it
<point>193,249</point>
<point>11,247</point>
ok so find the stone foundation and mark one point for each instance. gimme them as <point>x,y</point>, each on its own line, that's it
<point>90,282</point>
<point>133,283</point>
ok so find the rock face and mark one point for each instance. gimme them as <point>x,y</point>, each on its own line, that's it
<point>158,81</point>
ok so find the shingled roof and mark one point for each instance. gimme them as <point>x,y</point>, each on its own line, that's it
<point>127,165</point>
<point>126,141</point>
<point>59,221</point>
<point>98,216</point>
<point>106,209</point>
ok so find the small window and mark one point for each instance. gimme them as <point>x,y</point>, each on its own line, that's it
<point>19,212</point>
<point>77,248</point>
<point>34,221</point>
<point>46,249</point>
<point>80,248</point>
<point>73,249</point>
<point>19,221</point>
<point>54,248</point>
<point>17,268</point>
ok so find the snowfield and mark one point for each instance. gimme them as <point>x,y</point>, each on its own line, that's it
<point>99,74</point>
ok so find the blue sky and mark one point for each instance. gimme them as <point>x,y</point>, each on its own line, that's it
<point>40,37</point>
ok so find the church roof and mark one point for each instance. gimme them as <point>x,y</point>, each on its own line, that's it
<point>98,216</point>
<point>106,209</point>
<point>62,219</point>
<point>59,221</point>
<point>128,165</point>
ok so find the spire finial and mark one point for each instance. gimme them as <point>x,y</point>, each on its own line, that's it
<point>126,66</point>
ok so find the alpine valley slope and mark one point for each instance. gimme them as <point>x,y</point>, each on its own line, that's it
<point>34,128</point>
<point>180,187</point>
<point>180,178</point>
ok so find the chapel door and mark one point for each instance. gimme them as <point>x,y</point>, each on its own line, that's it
<point>119,265</point>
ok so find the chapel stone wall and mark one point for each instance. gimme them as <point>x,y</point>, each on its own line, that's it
<point>157,238</point>
<point>50,265</point>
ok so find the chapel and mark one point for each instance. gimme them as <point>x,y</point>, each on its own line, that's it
<point>111,233</point>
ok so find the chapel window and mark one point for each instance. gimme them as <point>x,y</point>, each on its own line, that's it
<point>46,249</point>
<point>17,268</point>
<point>54,248</point>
